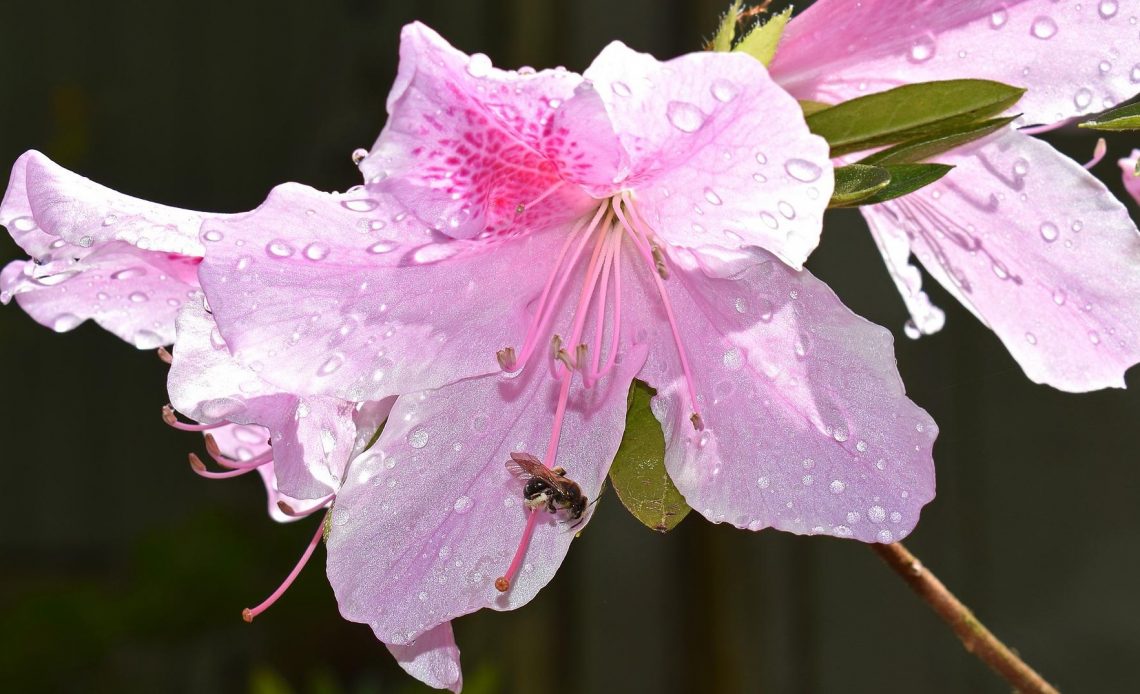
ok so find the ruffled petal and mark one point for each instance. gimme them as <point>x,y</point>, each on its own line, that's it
<point>718,154</point>
<point>806,425</point>
<point>466,144</point>
<point>1075,58</point>
<point>1039,250</point>
<point>432,659</point>
<point>894,245</point>
<point>1128,174</point>
<point>245,442</point>
<point>430,516</point>
<point>132,293</point>
<point>314,291</point>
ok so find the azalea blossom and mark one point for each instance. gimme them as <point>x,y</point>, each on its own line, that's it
<point>525,245</point>
<point>1027,240</point>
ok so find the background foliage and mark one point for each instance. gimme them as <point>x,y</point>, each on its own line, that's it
<point>123,572</point>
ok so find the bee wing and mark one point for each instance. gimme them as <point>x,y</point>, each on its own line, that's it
<point>525,466</point>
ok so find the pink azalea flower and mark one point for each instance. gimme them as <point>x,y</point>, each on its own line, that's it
<point>526,245</point>
<point>127,264</point>
<point>1025,238</point>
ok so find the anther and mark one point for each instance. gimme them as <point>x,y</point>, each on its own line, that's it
<point>563,356</point>
<point>580,355</point>
<point>507,358</point>
<point>520,209</point>
<point>502,584</point>
<point>659,260</point>
<point>165,356</point>
<point>698,421</point>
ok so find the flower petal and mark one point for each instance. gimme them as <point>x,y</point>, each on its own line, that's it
<point>323,301</point>
<point>247,441</point>
<point>719,155</point>
<point>466,144</point>
<point>134,294</point>
<point>894,245</point>
<point>430,516</point>
<point>1039,250</point>
<point>1128,174</point>
<point>806,425</point>
<point>433,659</point>
<point>1075,58</point>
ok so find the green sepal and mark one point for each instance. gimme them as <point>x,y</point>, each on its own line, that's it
<point>812,107</point>
<point>638,472</point>
<point>905,179</point>
<point>911,112</point>
<point>762,41</point>
<point>924,148</point>
<point>726,31</point>
<point>856,182</point>
<point>1123,118</point>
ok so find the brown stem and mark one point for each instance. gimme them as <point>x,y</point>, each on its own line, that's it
<point>974,635</point>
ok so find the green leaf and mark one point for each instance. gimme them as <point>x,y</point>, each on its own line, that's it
<point>726,32</point>
<point>1123,118</point>
<point>812,107</point>
<point>761,42</point>
<point>927,147</point>
<point>856,182</point>
<point>910,112</point>
<point>905,179</point>
<point>638,473</point>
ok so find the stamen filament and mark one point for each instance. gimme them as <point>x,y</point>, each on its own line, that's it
<point>225,461</point>
<point>171,419</point>
<point>199,469</point>
<point>249,613</point>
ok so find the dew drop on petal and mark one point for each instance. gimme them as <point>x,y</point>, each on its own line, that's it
<point>803,170</point>
<point>479,65</point>
<point>723,90</point>
<point>712,197</point>
<point>278,249</point>
<point>684,116</point>
<point>330,365</point>
<point>316,251</point>
<point>763,483</point>
<point>360,204</point>
<point>463,504</point>
<point>876,514</point>
<point>1043,27</point>
<point>128,273</point>
<point>23,224</point>
<point>786,209</point>
<point>1049,231</point>
<point>358,155</point>
<point>418,437</point>
<point>1107,8</point>
<point>837,487</point>
<point>65,321</point>
<point>212,235</point>
<point>1094,337</point>
<point>1082,98</point>
<point>621,89</point>
<point>885,536</point>
<point>382,247</point>
<point>922,50</point>
<point>998,18</point>
<point>1031,338</point>
<point>138,297</point>
<point>733,359</point>
<point>1059,297</point>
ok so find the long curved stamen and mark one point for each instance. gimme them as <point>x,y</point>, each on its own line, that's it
<point>590,376</point>
<point>234,464</point>
<point>171,419</point>
<point>589,283</point>
<point>199,469</point>
<point>636,228</point>
<point>249,613</point>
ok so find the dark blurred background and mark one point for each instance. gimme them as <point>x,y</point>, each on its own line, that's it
<point>122,571</point>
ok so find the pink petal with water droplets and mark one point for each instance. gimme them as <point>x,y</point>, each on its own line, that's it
<point>718,155</point>
<point>430,517</point>
<point>1128,174</point>
<point>806,425</point>
<point>244,442</point>
<point>894,245</point>
<point>467,144</point>
<point>1039,250</point>
<point>433,659</point>
<point>134,294</point>
<point>1075,58</point>
<point>326,304</point>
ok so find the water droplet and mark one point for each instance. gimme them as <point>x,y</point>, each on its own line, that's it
<point>129,273</point>
<point>212,235</point>
<point>922,50</point>
<point>1134,74</point>
<point>554,103</point>
<point>479,65</point>
<point>761,158</point>
<point>23,224</point>
<point>769,220</point>
<point>1059,297</point>
<point>733,359</point>
<point>998,18</point>
<point>1107,8</point>
<point>1049,231</point>
<point>763,483</point>
<point>684,116</point>
<point>803,170</point>
<point>379,247</point>
<point>1082,98</point>
<point>1105,67</point>
<point>621,89</point>
<point>316,251</point>
<point>86,241</point>
<point>463,504</point>
<point>1043,27</point>
<point>723,90</point>
<point>807,480</point>
<point>712,197</point>
<point>330,365</point>
<point>876,514</point>
<point>138,297</point>
<point>786,209</point>
<point>278,249</point>
<point>65,321</point>
<point>740,304</point>
<point>885,536</point>
<point>1031,338</point>
<point>418,437</point>
<point>358,155</point>
<point>1094,337</point>
<point>896,517</point>
<point>837,487</point>
<point>360,204</point>
<point>861,446</point>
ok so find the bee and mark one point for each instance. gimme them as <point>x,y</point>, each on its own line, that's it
<point>548,488</point>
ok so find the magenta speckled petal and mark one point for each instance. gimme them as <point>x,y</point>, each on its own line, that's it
<point>1128,174</point>
<point>806,425</point>
<point>719,154</point>
<point>322,299</point>
<point>466,144</point>
<point>131,293</point>
<point>1075,58</point>
<point>433,659</point>
<point>415,543</point>
<point>1039,250</point>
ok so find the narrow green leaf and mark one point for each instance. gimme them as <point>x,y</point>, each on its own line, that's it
<point>1123,118</point>
<point>927,147</point>
<point>910,112</point>
<point>726,32</point>
<point>761,42</point>
<point>905,179</point>
<point>638,473</point>
<point>856,182</point>
<point>812,107</point>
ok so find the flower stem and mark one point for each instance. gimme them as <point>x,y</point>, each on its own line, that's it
<point>976,638</point>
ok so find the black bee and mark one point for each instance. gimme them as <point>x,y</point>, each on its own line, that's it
<point>548,488</point>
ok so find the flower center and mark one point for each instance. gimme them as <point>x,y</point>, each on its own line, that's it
<point>604,232</point>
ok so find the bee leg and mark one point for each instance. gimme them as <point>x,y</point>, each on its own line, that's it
<point>537,501</point>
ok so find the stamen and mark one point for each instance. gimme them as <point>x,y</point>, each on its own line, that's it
<point>225,461</point>
<point>166,357</point>
<point>288,510</point>
<point>698,421</point>
<point>171,419</point>
<point>507,358</point>
<point>199,469</point>
<point>249,613</point>
<point>659,261</point>
<point>547,193</point>
<point>1099,151</point>
<point>589,283</point>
